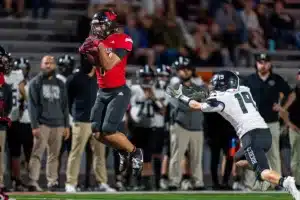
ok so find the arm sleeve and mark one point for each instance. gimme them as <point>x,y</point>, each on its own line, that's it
<point>284,87</point>
<point>33,102</point>
<point>9,101</point>
<point>176,103</point>
<point>70,92</point>
<point>123,47</point>
<point>212,105</point>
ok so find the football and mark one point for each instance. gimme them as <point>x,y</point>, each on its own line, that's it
<point>92,56</point>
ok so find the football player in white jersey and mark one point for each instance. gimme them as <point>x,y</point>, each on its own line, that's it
<point>14,133</point>
<point>144,107</point>
<point>235,103</point>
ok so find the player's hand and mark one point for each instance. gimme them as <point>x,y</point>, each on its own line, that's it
<point>175,93</point>
<point>277,107</point>
<point>194,104</point>
<point>90,44</point>
<point>36,132</point>
<point>66,133</point>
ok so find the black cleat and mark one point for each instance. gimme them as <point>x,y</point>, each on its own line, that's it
<point>137,160</point>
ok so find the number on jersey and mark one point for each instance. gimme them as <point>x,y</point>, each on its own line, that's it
<point>146,109</point>
<point>243,98</point>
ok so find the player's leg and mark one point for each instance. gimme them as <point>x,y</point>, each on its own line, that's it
<point>256,143</point>
<point>164,181</point>
<point>14,143</point>
<point>157,154</point>
<point>114,113</point>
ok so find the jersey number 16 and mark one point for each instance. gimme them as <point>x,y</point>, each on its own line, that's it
<point>243,98</point>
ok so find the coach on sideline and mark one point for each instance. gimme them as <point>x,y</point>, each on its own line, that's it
<point>266,88</point>
<point>49,116</point>
<point>82,90</point>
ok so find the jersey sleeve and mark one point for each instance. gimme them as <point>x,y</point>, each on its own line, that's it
<point>124,42</point>
<point>212,105</point>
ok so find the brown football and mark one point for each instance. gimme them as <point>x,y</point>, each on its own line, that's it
<point>92,57</point>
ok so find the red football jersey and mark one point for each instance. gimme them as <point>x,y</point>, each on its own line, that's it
<point>115,77</point>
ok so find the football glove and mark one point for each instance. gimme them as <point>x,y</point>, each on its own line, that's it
<point>200,95</point>
<point>175,93</point>
<point>89,43</point>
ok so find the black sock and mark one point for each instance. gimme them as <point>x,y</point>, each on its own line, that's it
<point>281,181</point>
<point>186,176</point>
<point>157,171</point>
<point>164,176</point>
<point>236,178</point>
<point>147,182</point>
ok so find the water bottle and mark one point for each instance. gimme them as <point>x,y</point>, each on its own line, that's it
<point>233,147</point>
<point>271,45</point>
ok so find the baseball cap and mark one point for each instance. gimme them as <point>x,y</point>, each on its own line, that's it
<point>263,57</point>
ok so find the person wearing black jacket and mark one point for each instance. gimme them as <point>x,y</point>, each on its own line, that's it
<point>5,107</point>
<point>219,134</point>
<point>82,90</point>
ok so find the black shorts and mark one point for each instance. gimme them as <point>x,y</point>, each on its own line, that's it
<point>18,135</point>
<point>109,109</point>
<point>143,138</point>
<point>256,143</point>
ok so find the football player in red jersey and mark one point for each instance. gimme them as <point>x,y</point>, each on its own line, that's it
<point>107,50</point>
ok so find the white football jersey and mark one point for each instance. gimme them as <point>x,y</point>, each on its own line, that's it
<point>64,79</point>
<point>159,119</point>
<point>238,107</point>
<point>25,118</point>
<point>142,110</point>
<point>14,79</point>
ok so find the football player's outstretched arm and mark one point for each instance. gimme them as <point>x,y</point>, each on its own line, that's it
<point>208,105</point>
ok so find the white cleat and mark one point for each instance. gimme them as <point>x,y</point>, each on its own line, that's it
<point>290,186</point>
<point>70,188</point>
<point>106,188</point>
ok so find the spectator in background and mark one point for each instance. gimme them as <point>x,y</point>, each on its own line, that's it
<point>264,22</point>
<point>82,89</point>
<point>283,25</point>
<point>219,138</point>
<point>266,88</point>
<point>140,40</point>
<point>9,11</point>
<point>232,28</point>
<point>186,134</point>
<point>37,4</point>
<point>207,51</point>
<point>292,119</point>
<point>49,115</point>
<point>251,22</point>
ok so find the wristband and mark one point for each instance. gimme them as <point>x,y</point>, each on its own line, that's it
<point>185,99</point>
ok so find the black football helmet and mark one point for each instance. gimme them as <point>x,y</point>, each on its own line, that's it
<point>146,76</point>
<point>104,23</point>
<point>181,62</point>
<point>5,61</point>
<point>163,71</point>
<point>224,80</point>
<point>22,64</point>
<point>66,65</point>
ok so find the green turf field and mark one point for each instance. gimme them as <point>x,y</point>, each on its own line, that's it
<point>153,196</point>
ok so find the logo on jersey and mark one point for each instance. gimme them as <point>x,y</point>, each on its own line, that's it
<point>271,82</point>
<point>128,40</point>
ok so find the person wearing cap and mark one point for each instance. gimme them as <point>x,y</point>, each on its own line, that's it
<point>267,88</point>
<point>186,131</point>
<point>291,116</point>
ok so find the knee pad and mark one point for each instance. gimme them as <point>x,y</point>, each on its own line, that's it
<point>95,127</point>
